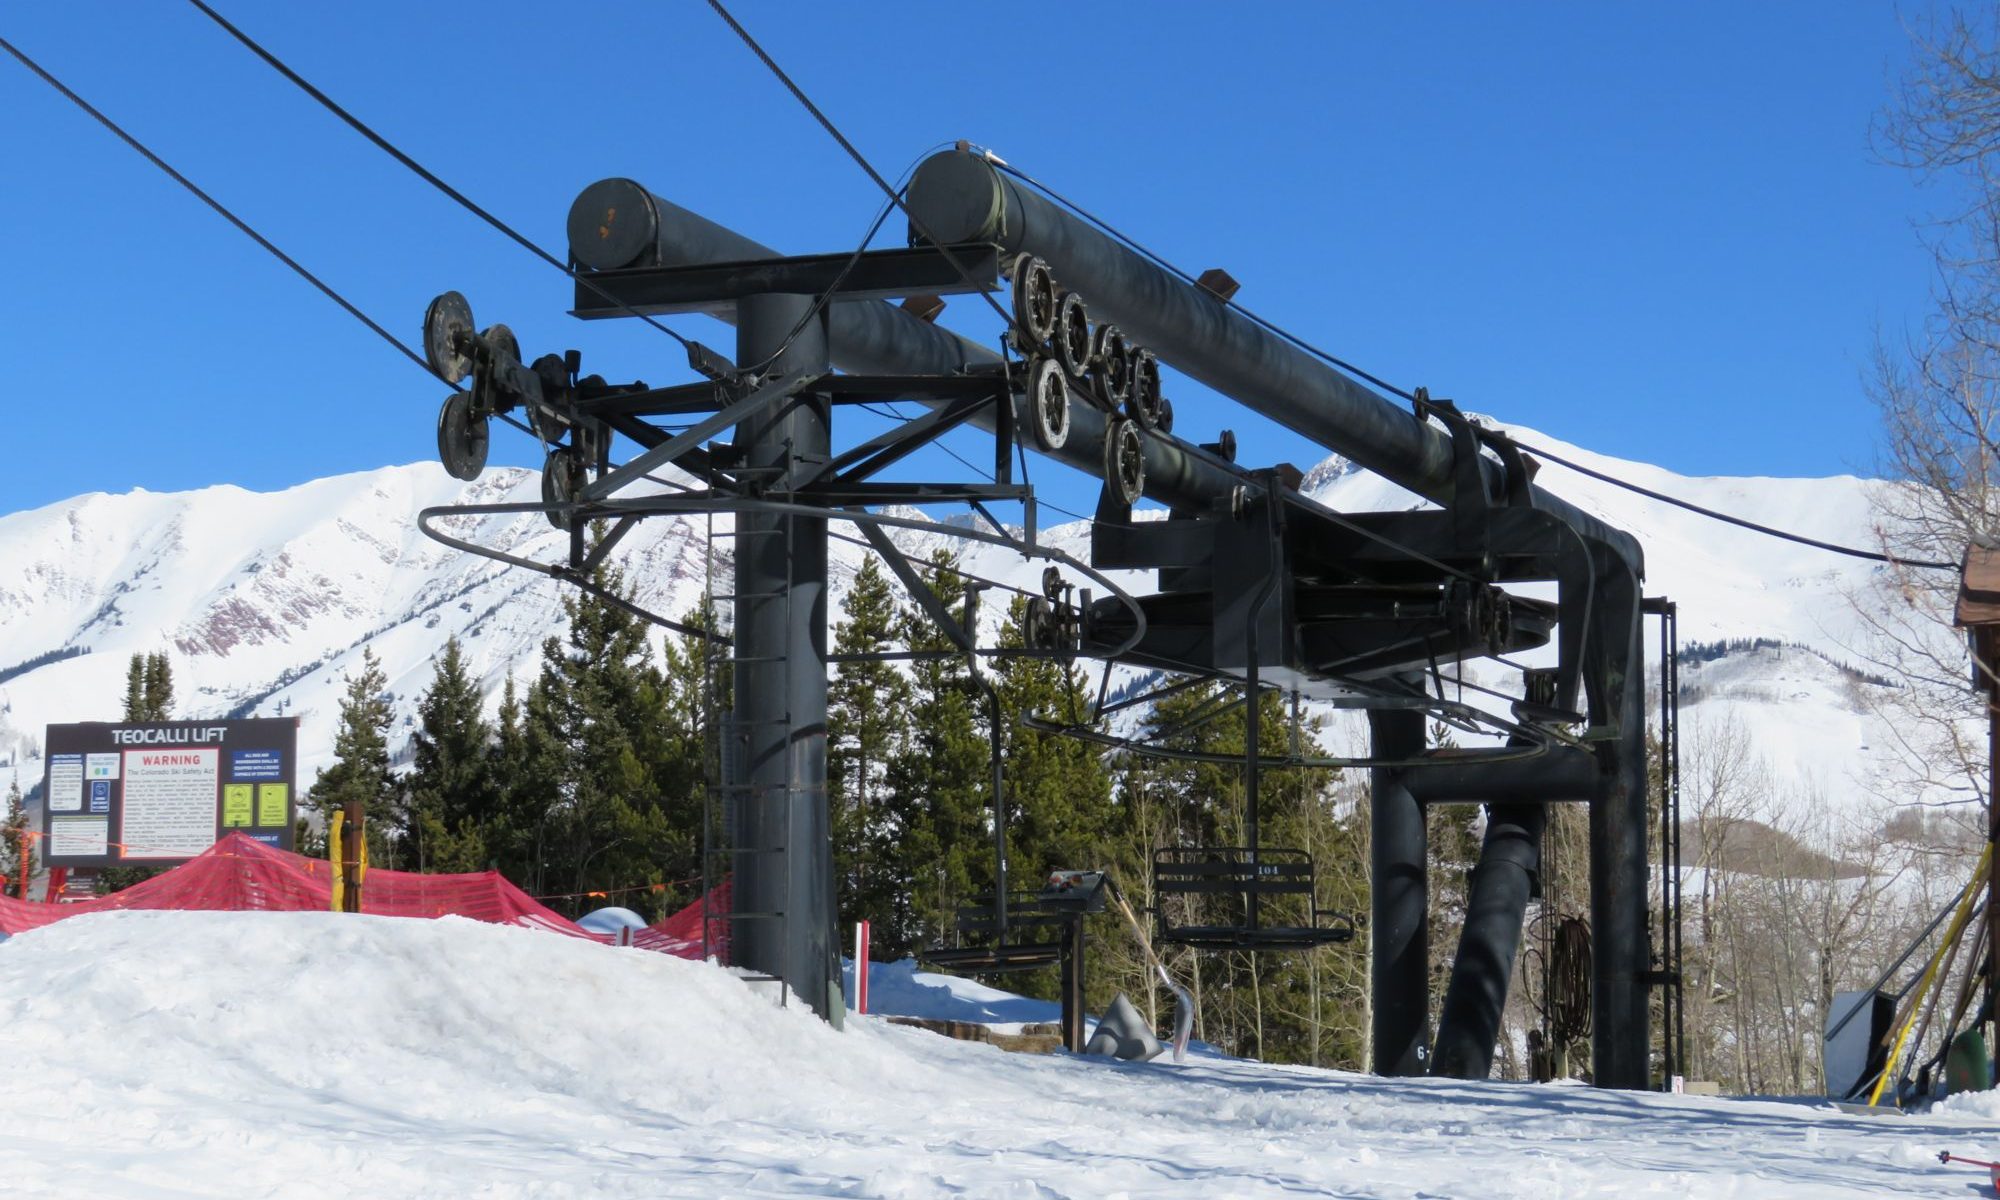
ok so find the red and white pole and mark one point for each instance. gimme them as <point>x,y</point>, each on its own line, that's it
<point>861,967</point>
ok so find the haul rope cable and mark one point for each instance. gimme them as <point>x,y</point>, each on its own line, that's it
<point>744,34</point>
<point>860,160</point>
<point>327,290</point>
<point>242,226</point>
<point>428,176</point>
<point>220,209</point>
<point>917,225</point>
<point>354,311</point>
<point>894,198</point>
<point>704,501</point>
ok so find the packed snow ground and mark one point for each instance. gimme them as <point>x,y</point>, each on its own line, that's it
<point>301,1054</point>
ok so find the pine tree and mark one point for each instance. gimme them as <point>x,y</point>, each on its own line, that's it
<point>680,757</point>
<point>149,696</point>
<point>934,839</point>
<point>867,711</point>
<point>16,850</point>
<point>149,688</point>
<point>360,770</point>
<point>527,775</point>
<point>159,697</point>
<point>135,689</point>
<point>1058,790</point>
<point>450,794</point>
<point>614,799</point>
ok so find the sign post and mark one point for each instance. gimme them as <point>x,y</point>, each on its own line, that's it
<point>353,855</point>
<point>861,968</point>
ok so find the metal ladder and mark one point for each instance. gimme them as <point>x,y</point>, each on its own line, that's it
<point>1673,1014</point>
<point>725,751</point>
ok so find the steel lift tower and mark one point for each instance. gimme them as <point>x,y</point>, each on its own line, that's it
<point>1258,585</point>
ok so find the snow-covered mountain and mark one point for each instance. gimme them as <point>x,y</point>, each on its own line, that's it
<point>265,600</point>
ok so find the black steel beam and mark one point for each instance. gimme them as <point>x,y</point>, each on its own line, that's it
<point>1509,862</point>
<point>1398,926</point>
<point>716,287</point>
<point>957,196</point>
<point>1560,774</point>
<point>1615,669</point>
<point>781,830</point>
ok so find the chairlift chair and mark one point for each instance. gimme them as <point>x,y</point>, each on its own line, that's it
<point>1252,876</point>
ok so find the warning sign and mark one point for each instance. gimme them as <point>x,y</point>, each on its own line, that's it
<point>163,792</point>
<point>72,836</point>
<point>236,805</point>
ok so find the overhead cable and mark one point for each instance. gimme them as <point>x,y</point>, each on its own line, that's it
<point>895,196</point>
<point>1745,523</point>
<point>220,209</point>
<point>361,127</point>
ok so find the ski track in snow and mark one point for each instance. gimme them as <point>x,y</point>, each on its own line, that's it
<point>176,1055</point>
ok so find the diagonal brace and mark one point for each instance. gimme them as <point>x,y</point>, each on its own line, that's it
<point>757,401</point>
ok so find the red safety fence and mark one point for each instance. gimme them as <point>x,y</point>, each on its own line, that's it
<point>238,874</point>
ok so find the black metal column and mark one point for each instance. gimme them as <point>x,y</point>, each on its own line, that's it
<point>784,864</point>
<point>1618,869</point>
<point>1399,934</point>
<point>1510,860</point>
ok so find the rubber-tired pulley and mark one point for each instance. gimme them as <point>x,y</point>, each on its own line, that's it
<point>1048,403</point>
<point>1125,461</point>
<point>545,418</point>
<point>1144,403</point>
<point>501,343</point>
<point>1072,335</point>
<point>447,329</point>
<point>1038,625</point>
<point>461,438</point>
<point>563,478</point>
<point>1110,368</point>
<point>1034,301</point>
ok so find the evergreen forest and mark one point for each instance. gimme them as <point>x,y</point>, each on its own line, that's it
<point>588,788</point>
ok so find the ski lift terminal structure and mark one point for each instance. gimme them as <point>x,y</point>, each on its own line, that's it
<point>1258,585</point>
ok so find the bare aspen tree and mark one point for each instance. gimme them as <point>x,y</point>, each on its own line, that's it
<point>1938,393</point>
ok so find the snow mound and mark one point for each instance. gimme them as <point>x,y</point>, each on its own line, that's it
<point>185,1054</point>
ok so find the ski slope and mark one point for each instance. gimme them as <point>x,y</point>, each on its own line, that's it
<point>170,1055</point>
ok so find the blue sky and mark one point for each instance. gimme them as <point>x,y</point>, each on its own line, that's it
<point>1658,231</point>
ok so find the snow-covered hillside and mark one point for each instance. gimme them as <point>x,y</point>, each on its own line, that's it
<point>191,1055</point>
<point>265,601</point>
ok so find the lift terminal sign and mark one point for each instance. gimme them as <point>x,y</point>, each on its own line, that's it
<point>160,793</point>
